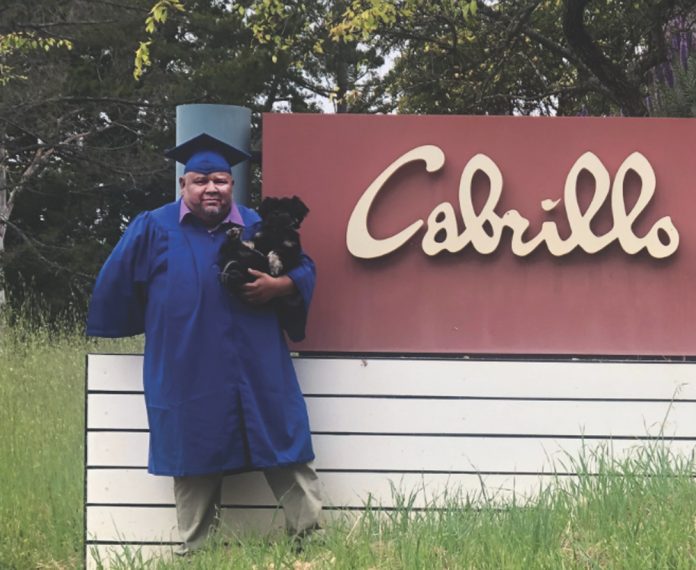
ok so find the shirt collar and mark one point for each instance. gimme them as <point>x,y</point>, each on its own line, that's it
<point>234,216</point>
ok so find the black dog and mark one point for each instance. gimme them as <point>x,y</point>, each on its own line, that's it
<point>274,247</point>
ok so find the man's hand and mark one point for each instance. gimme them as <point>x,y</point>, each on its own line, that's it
<point>266,287</point>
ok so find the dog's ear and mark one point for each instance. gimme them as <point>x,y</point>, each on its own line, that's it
<point>299,209</point>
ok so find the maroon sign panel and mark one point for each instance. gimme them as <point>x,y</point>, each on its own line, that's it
<point>504,235</point>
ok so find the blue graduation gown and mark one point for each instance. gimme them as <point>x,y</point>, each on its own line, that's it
<point>220,388</point>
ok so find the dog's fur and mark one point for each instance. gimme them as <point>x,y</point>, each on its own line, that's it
<point>274,248</point>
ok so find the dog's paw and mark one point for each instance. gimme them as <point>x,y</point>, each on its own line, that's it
<point>274,263</point>
<point>234,232</point>
<point>232,275</point>
<point>249,244</point>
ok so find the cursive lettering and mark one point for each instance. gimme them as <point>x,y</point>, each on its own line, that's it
<point>483,230</point>
<point>360,243</point>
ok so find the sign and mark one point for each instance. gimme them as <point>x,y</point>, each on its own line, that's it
<point>442,221</point>
<point>493,235</point>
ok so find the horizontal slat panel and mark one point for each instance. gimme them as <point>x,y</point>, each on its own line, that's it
<point>116,411</point>
<point>399,453</point>
<point>136,486</point>
<point>120,372</point>
<point>464,378</point>
<point>132,524</point>
<point>351,463</point>
<point>506,379</point>
<point>117,449</point>
<point>502,417</point>
<point>124,486</point>
<point>147,524</point>
<point>360,415</point>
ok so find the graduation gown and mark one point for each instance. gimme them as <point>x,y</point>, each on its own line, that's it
<point>220,388</point>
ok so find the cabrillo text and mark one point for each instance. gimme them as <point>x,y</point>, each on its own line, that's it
<point>483,230</point>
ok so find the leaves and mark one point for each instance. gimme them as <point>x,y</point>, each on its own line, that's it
<point>66,69</point>
<point>14,43</point>
<point>158,15</point>
<point>142,59</point>
<point>362,19</point>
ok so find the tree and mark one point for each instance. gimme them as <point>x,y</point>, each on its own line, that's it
<point>302,36</point>
<point>469,56</point>
<point>71,132</point>
<point>82,141</point>
<point>673,89</point>
<point>11,45</point>
<point>521,56</point>
<point>299,39</point>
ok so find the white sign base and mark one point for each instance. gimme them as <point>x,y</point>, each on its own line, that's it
<point>436,428</point>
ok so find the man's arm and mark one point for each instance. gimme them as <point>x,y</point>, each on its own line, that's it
<point>267,287</point>
<point>117,307</point>
<point>294,291</point>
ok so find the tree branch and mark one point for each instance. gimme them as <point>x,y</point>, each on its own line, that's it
<point>623,91</point>
<point>32,243</point>
<point>532,34</point>
<point>41,156</point>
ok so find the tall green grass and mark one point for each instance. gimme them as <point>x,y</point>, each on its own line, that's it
<point>635,512</point>
<point>42,377</point>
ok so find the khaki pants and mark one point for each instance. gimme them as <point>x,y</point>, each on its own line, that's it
<point>296,488</point>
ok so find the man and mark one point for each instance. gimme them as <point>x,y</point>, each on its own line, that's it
<point>220,389</point>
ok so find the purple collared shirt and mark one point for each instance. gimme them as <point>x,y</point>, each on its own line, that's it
<point>233,216</point>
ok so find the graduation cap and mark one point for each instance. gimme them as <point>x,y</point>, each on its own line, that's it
<point>206,154</point>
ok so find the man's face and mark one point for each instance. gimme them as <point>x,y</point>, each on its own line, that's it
<point>208,196</point>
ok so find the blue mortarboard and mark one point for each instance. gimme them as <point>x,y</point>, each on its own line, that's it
<point>206,154</point>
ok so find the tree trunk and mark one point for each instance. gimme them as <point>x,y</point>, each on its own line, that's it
<point>625,92</point>
<point>340,70</point>
<point>342,82</point>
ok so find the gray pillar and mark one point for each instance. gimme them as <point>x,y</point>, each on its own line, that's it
<point>229,123</point>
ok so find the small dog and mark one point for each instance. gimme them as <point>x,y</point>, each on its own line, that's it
<point>274,248</point>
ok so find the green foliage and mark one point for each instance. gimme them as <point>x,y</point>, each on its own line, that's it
<point>515,57</point>
<point>474,66</point>
<point>301,37</point>
<point>81,142</point>
<point>678,99</point>
<point>466,56</point>
<point>158,15</point>
<point>363,19</point>
<point>42,421</point>
<point>17,43</point>
<point>296,41</point>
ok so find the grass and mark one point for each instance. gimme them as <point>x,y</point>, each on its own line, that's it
<point>637,512</point>
<point>41,444</point>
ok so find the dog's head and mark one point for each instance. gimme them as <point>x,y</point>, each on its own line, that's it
<point>283,212</point>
